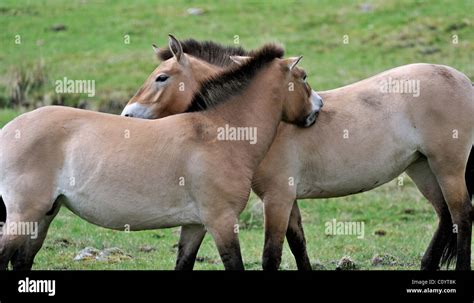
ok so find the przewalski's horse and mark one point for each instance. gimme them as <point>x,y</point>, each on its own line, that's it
<point>367,135</point>
<point>365,126</point>
<point>124,173</point>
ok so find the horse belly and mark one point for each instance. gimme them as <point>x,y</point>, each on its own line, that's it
<point>125,209</point>
<point>354,175</point>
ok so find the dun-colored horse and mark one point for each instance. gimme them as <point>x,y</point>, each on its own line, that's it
<point>415,118</point>
<point>124,173</point>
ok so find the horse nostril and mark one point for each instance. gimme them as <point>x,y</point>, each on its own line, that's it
<point>128,115</point>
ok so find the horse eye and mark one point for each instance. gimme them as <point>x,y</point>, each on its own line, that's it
<point>162,78</point>
<point>304,77</point>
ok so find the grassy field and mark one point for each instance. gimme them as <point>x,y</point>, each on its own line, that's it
<point>86,40</point>
<point>381,35</point>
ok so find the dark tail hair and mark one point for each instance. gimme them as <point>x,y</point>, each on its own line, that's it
<point>450,250</point>
<point>3,211</point>
<point>470,177</point>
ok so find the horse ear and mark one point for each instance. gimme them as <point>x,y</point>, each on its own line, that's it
<point>175,47</point>
<point>239,59</point>
<point>156,49</point>
<point>293,61</point>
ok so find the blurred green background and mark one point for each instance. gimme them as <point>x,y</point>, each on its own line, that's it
<point>342,42</point>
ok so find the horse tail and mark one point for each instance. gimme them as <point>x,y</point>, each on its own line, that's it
<point>3,211</point>
<point>470,177</point>
<point>470,172</point>
<point>450,250</point>
<point>3,208</point>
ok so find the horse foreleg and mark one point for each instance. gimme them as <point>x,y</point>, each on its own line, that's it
<point>189,242</point>
<point>26,253</point>
<point>224,229</point>
<point>277,215</point>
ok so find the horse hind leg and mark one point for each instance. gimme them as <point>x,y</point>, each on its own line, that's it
<point>442,247</point>
<point>297,240</point>
<point>23,232</point>
<point>10,241</point>
<point>450,173</point>
<point>25,255</point>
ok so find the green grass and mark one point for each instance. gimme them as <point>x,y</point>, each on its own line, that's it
<point>392,33</point>
<point>92,46</point>
<point>7,115</point>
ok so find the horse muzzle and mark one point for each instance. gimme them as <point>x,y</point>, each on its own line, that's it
<point>136,110</point>
<point>310,119</point>
<point>316,105</point>
<point>316,101</point>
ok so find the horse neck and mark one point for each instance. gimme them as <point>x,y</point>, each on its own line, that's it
<point>258,107</point>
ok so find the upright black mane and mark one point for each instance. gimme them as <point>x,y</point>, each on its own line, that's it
<point>208,51</point>
<point>233,81</point>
